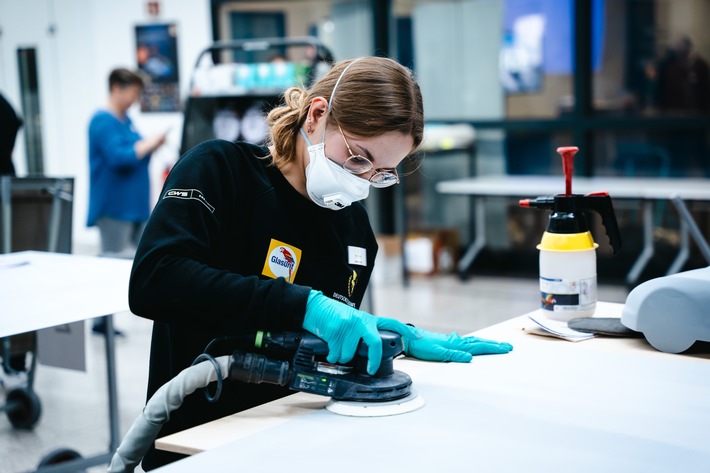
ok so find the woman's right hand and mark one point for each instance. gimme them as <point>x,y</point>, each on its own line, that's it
<point>342,327</point>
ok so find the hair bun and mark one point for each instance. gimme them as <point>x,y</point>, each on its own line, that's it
<point>293,97</point>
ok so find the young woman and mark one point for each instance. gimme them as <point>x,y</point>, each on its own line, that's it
<point>248,238</point>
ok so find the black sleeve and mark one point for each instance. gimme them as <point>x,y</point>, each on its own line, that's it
<point>183,270</point>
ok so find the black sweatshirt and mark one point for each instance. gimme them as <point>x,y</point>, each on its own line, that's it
<point>215,258</point>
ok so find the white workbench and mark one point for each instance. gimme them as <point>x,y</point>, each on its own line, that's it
<point>40,290</point>
<point>645,190</point>
<point>606,404</point>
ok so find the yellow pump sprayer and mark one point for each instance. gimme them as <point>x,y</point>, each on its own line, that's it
<point>568,265</point>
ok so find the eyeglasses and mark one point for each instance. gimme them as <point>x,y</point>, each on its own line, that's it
<point>357,165</point>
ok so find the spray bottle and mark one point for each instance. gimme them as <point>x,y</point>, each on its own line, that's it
<point>568,264</point>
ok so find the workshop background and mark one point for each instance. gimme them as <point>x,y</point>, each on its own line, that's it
<point>505,82</point>
<point>508,80</point>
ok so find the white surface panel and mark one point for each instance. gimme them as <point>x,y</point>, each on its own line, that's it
<point>618,187</point>
<point>40,290</point>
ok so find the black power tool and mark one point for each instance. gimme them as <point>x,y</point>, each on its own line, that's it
<point>298,359</point>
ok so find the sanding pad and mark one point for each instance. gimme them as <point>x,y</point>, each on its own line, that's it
<point>410,403</point>
<point>602,326</point>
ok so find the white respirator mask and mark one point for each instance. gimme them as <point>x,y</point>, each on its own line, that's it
<point>328,184</point>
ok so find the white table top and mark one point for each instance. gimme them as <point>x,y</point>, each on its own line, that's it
<point>40,289</point>
<point>618,187</point>
<point>604,404</point>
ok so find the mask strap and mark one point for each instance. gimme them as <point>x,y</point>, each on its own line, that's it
<point>308,142</point>
<point>332,94</point>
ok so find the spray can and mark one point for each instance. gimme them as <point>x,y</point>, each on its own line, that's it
<point>568,264</point>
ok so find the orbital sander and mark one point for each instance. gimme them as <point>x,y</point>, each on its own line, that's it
<point>298,360</point>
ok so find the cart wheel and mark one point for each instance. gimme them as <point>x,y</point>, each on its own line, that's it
<point>60,455</point>
<point>23,408</point>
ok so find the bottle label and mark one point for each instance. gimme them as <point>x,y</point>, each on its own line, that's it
<point>568,295</point>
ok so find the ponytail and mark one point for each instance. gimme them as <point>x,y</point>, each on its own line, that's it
<point>284,122</point>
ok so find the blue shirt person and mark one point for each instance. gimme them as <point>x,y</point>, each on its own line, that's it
<point>119,182</point>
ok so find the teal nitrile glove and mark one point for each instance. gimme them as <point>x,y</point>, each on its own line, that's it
<point>342,327</point>
<point>431,346</point>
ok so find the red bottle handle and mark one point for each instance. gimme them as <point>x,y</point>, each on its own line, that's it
<point>567,153</point>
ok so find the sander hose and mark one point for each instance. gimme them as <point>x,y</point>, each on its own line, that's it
<point>157,411</point>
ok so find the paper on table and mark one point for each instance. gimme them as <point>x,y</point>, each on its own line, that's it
<point>559,329</point>
<point>13,263</point>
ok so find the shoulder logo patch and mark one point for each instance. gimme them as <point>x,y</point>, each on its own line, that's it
<point>282,261</point>
<point>189,194</point>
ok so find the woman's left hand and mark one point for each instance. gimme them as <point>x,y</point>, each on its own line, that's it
<point>432,346</point>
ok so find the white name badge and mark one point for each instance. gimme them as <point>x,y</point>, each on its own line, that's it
<point>357,255</point>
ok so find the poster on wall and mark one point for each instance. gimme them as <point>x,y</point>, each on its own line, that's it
<point>521,55</point>
<point>156,54</point>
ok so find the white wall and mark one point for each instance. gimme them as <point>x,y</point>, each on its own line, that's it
<point>459,57</point>
<point>78,42</point>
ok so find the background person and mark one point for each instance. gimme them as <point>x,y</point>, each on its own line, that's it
<point>248,238</point>
<point>683,78</point>
<point>683,87</point>
<point>16,365</point>
<point>10,124</point>
<point>119,189</point>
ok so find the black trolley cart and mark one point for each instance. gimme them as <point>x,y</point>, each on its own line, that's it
<point>235,82</point>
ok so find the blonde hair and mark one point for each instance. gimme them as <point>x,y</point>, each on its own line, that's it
<point>376,95</point>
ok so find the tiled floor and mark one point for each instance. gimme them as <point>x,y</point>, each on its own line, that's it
<point>74,406</point>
